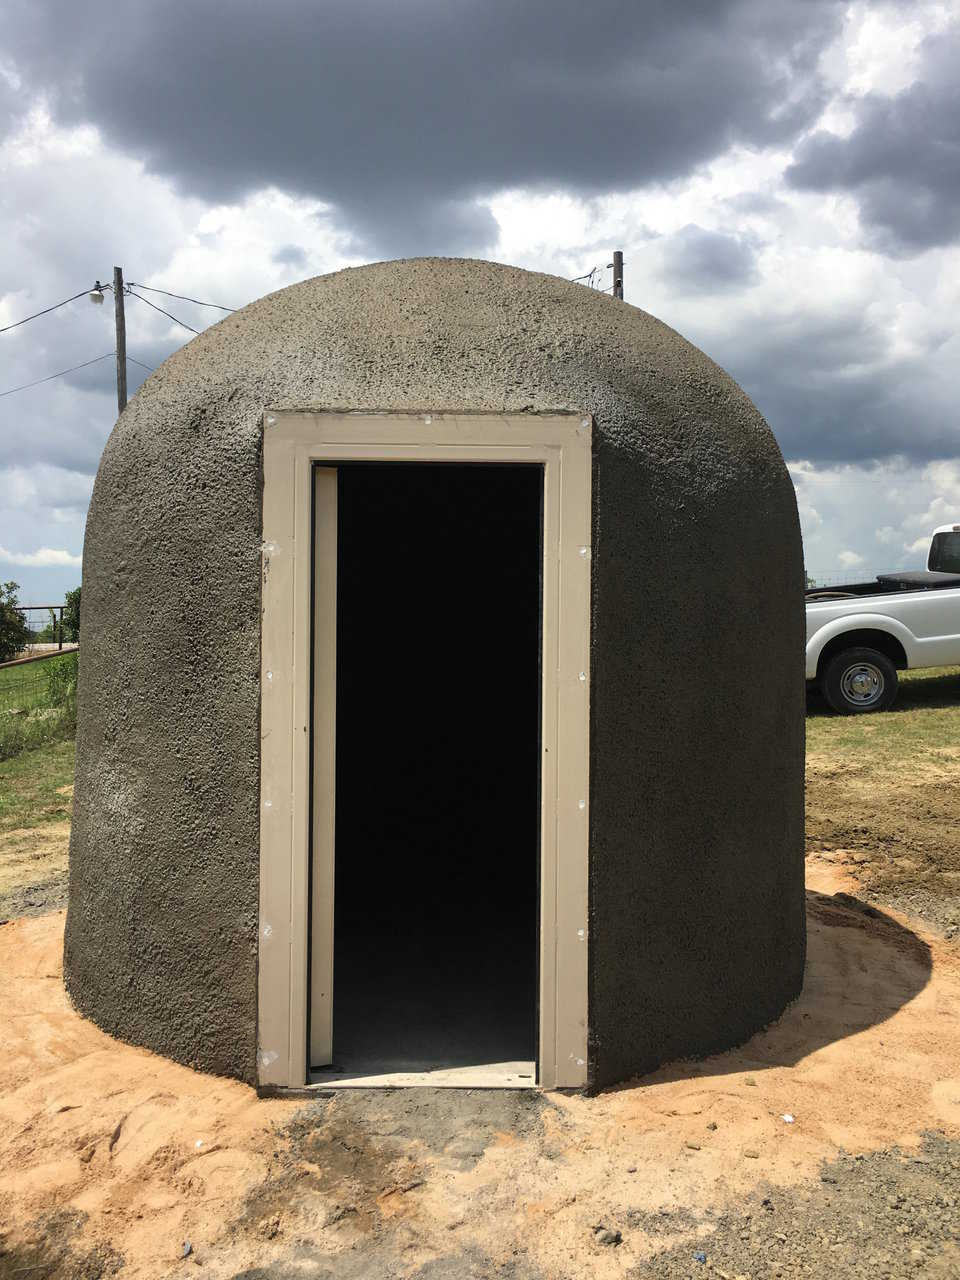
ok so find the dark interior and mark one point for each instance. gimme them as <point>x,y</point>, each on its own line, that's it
<point>437,819</point>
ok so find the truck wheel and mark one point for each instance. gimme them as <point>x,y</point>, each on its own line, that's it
<point>859,680</point>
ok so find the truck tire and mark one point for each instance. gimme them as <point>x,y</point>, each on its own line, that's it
<point>855,681</point>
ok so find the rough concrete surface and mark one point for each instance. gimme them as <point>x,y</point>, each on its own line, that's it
<point>696,839</point>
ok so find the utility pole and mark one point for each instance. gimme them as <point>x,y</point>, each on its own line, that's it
<point>618,273</point>
<point>122,338</point>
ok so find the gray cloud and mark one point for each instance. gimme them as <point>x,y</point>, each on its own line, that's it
<point>290,255</point>
<point>401,115</point>
<point>832,391</point>
<point>695,260</point>
<point>902,161</point>
<point>399,118</point>
<point>760,202</point>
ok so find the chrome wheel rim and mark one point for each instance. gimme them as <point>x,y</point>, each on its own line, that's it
<point>862,684</point>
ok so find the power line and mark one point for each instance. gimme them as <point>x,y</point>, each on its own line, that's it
<point>590,274</point>
<point>182,297</point>
<point>26,386</point>
<point>45,312</point>
<point>181,323</point>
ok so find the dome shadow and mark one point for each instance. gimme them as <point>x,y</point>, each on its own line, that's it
<point>862,967</point>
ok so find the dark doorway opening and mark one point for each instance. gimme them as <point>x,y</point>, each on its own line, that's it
<point>436,899</point>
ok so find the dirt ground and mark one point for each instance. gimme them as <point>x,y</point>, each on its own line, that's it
<point>883,799</point>
<point>897,829</point>
<point>33,860</point>
<point>113,1161</point>
<point>828,1145</point>
<point>33,870</point>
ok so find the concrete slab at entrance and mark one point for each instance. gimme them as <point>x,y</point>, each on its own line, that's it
<point>485,1075</point>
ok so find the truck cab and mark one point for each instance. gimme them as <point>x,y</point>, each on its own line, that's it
<point>944,554</point>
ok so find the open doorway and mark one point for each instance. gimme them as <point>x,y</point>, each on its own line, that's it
<point>500,503</point>
<point>437,840</point>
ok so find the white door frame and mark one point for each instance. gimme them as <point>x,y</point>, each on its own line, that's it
<point>294,443</point>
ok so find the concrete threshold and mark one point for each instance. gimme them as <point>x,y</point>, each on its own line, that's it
<point>486,1075</point>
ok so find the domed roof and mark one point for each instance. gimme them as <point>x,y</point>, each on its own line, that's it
<point>696,637</point>
<point>451,333</point>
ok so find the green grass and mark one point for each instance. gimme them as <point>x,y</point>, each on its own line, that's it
<point>21,685</point>
<point>925,717</point>
<point>37,704</point>
<point>29,785</point>
<point>24,688</point>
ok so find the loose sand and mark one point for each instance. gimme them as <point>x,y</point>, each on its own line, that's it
<point>111,1158</point>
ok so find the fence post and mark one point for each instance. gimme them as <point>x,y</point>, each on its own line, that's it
<point>60,645</point>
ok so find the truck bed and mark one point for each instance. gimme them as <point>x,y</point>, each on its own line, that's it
<point>886,584</point>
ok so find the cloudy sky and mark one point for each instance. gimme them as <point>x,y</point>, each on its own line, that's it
<point>783,177</point>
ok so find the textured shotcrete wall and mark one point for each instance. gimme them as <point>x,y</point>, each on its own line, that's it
<point>696,837</point>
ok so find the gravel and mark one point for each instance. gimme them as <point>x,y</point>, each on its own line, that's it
<point>883,1216</point>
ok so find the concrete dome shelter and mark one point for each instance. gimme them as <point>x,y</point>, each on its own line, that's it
<point>441,703</point>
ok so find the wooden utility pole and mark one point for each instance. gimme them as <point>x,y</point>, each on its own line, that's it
<point>618,273</point>
<point>121,338</point>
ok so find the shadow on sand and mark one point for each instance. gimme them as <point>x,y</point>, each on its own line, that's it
<point>862,967</point>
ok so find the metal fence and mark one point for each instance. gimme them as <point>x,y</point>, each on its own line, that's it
<point>25,689</point>
<point>45,624</point>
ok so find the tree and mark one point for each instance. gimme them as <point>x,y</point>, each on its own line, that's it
<point>71,615</point>
<point>14,633</point>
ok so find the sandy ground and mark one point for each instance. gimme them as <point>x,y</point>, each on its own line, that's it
<point>33,867</point>
<point>33,870</point>
<point>111,1158</point>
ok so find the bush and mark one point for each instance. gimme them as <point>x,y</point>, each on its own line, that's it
<point>14,634</point>
<point>71,615</point>
<point>60,675</point>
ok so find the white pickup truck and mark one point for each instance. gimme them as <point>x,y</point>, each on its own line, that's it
<point>859,636</point>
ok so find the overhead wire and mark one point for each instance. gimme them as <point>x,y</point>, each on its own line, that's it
<point>182,323</point>
<point>46,311</point>
<point>181,296</point>
<point>86,363</point>
<point>27,385</point>
<point>589,276</point>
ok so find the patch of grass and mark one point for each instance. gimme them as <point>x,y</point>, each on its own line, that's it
<point>30,786</point>
<point>37,704</point>
<point>25,684</point>
<point>22,688</point>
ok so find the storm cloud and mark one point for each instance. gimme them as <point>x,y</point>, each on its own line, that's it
<point>699,261</point>
<point>228,148</point>
<point>403,115</point>
<point>902,160</point>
